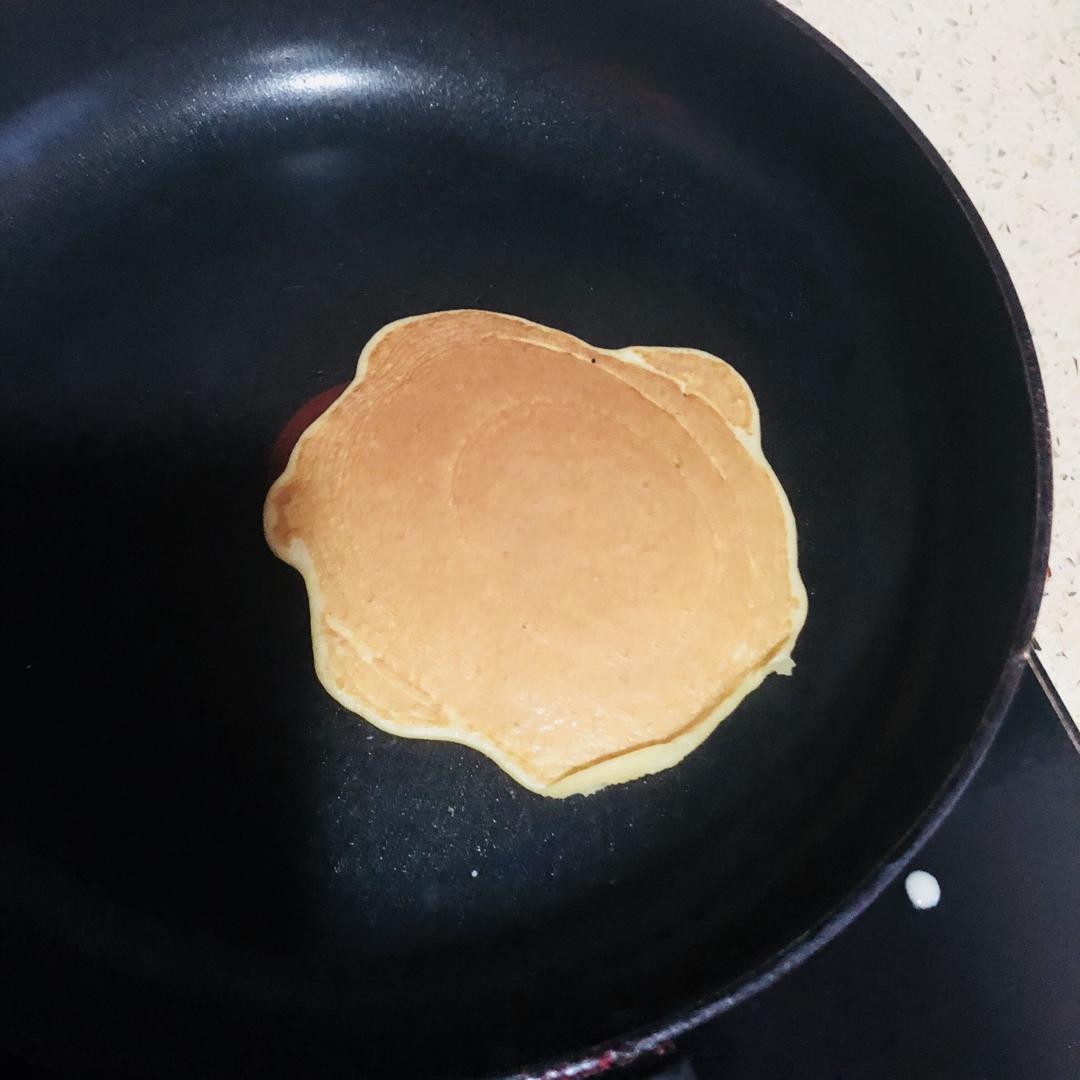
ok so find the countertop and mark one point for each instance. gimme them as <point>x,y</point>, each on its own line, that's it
<point>995,86</point>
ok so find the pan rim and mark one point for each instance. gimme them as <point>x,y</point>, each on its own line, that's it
<point>658,1038</point>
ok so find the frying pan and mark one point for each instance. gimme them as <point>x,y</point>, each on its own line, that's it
<point>209,868</point>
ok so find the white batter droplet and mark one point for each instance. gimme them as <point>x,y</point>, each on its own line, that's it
<point>922,889</point>
<point>474,873</point>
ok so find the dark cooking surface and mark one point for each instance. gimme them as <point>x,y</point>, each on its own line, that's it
<point>205,210</point>
<point>984,987</point>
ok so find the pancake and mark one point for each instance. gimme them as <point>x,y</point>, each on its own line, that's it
<point>575,560</point>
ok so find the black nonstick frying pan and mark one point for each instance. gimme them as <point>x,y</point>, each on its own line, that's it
<point>207,867</point>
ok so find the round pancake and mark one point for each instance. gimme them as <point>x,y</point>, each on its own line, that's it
<point>575,560</point>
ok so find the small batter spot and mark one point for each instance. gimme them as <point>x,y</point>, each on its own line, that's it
<point>923,890</point>
<point>474,873</point>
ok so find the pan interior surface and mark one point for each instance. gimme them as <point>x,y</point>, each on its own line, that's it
<point>211,865</point>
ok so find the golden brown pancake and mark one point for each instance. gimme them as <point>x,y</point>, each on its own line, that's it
<point>575,560</point>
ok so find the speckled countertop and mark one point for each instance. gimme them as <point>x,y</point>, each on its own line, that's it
<point>996,87</point>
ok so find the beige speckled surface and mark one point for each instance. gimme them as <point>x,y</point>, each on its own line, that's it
<point>996,87</point>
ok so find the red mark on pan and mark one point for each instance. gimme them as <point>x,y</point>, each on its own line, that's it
<point>297,424</point>
<point>616,1058</point>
